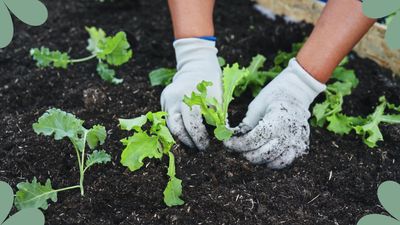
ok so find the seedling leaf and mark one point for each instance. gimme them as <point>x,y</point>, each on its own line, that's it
<point>34,195</point>
<point>97,157</point>
<point>96,136</point>
<point>115,50</point>
<point>46,58</point>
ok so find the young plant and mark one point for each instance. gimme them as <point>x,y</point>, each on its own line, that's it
<point>257,78</point>
<point>214,112</point>
<point>108,50</point>
<point>63,125</point>
<point>163,76</point>
<point>154,142</point>
<point>330,111</point>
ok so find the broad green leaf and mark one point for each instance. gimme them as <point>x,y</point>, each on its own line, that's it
<point>133,124</point>
<point>393,31</point>
<point>231,78</point>
<point>162,76</point>
<point>107,74</point>
<point>222,133</point>
<point>221,61</point>
<point>378,9</point>
<point>34,195</point>
<point>173,191</point>
<point>389,196</point>
<point>345,75</point>
<point>256,79</point>
<point>7,199</point>
<point>46,58</point>
<point>96,36</point>
<point>97,157</point>
<point>115,50</point>
<point>59,123</point>
<point>376,219</point>
<point>96,136</point>
<point>339,124</point>
<point>138,147</point>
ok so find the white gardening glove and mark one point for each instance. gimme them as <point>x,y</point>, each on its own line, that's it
<point>196,61</point>
<point>275,130</point>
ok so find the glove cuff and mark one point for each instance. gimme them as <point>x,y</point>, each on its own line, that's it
<point>195,54</point>
<point>304,86</point>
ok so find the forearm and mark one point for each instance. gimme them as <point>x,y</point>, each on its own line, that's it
<point>340,27</point>
<point>192,18</point>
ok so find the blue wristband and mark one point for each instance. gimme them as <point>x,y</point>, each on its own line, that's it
<point>208,38</point>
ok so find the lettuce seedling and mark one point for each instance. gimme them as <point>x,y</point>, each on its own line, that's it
<point>214,112</point>
<point>330,111</point>
<point>258,78</point>
<point>63,125</point>
<point>151,143</point>
<point>369,128</point>
<point>163,76</point>
<point>108,50</point>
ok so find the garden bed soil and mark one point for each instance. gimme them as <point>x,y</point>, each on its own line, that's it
<point>335,183</point>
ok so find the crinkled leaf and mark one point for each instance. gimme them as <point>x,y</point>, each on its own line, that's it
<point>133,124</point>
<point>255,79</point>
<point>59,123</point>
<point>231,78</point>
<point>162,76</point>
<point>96,36</point>
<point>107,74</point>
<point>345,75</point>
<point>46,58</point>
<point>115,50</point>
<point>138,147</point>
<point>97,157</point>
<point>173,191</point>
<point>34,195</point>
<point>96,136</point>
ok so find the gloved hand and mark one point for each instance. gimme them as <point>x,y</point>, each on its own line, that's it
<point>196,61</point>
<point>275,130</point>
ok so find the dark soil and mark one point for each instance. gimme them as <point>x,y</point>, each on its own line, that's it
<point>219,187</point>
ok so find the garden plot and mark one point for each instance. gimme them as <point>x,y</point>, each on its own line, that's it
<point>334,184</point>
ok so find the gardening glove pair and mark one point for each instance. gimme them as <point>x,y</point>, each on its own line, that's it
<point>275,130</point>
<point>196,61</point>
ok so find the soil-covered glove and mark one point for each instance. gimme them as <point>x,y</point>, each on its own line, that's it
<point>275,130</point>
<point>196,61</point>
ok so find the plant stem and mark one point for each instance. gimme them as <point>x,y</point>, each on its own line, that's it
<point>81,167</point>
<point>67,188</point>
<point>82,59</point>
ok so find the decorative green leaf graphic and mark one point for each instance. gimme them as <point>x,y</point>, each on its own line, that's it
<point>23,217</point>
<point>6,26</point>
<point>392,36</point>
<point>382,8</point>
<point>31,12</point>
<point>378,9</point>
<point>389,196</point>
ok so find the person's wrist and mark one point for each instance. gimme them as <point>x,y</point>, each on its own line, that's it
<point>300,84</point>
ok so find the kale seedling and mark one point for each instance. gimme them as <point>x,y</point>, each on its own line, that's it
<point>151,143</point>
<point>108,50</point>
<point>63,125</point>
<point>163,76</point>
<point>214,112</point>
